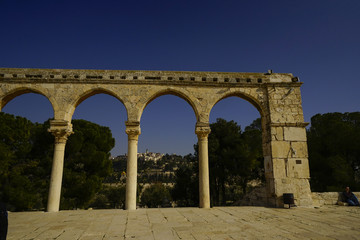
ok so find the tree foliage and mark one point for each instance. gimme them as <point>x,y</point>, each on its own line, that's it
<point>186,188</point>
<point>21,174</point>
<point>86,163</point>
<point>109,197</point>
<point>235,157</point>
<point>156,195</point>
<point>334,151</point>
<point>26,151</point>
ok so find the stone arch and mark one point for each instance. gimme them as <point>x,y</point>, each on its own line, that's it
<point>247,97</point>
<point>260,104</point>
<point>256,102</point>
<point>89,93</point>
<point>169,91</point>
<point>23,90</point>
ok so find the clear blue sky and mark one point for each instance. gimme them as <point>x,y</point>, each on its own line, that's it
<point>318,41</point>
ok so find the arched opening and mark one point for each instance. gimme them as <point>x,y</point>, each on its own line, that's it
<point>166,147</point>
<point>235,108</point>
<point>172,93</point>
<point>99,139</point>
<point>28,103</point>
<point>235,150</point>
<point>26,150</point>
<point>103,108</point>
<point>160,118</point>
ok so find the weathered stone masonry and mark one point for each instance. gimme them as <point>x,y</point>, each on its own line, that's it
<point>276,96</point>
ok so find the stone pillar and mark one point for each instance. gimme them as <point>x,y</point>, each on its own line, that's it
<point>133,131</point>
<point>289,164</point>
<point>285,150</point>
<point>202,130</point>
<point>61,129</point>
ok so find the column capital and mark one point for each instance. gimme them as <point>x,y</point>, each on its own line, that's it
<point>61,129</point>
<point>202,129</point>
<point>133,129</point>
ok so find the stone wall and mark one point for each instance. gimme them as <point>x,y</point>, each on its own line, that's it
<point>328,198</point>
<point>257,197</point>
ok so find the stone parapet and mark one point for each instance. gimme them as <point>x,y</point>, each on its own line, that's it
<point>328,198</point>
<point>120,75</point>
<point>256,197</point>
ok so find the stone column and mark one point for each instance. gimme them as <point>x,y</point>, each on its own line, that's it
<point>202,130</point>
<point>61,129</point>
<point>133,131</point>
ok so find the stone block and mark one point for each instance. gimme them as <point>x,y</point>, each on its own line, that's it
<point>277,133</point>
<point>289,118</point>
<point>299,149</point>
<point>299,187</point>
<point>279,168</point>
<point>298,168</point>
<point>294,134</point>
<point>280,149</point>
<point>279,78</point>
<point>304,201</point>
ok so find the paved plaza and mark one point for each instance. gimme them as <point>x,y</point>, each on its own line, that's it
<point>331,222</point>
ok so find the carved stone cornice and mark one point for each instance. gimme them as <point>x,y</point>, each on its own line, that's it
<point>133,129</point>
<point>61,129</point>
<point>202,130</point>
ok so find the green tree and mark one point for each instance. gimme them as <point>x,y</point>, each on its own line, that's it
<point>86,163</point>
<point>186,188</point>
<point>116,196</point>
<point>235,157</point>
<point>26,151</point>
<point>334,151</point>
<point>156,195</point>
<point>15,147</point>
<point>109,197</point>
<point>253,138</point>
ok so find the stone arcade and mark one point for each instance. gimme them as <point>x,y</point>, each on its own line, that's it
<point>276,96</point>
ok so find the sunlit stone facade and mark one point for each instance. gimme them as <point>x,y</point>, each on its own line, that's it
<point>276,96</point>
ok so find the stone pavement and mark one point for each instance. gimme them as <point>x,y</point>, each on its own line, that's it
<point>330,222</point>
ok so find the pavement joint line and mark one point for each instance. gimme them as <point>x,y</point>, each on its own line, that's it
<point>151,225</point>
